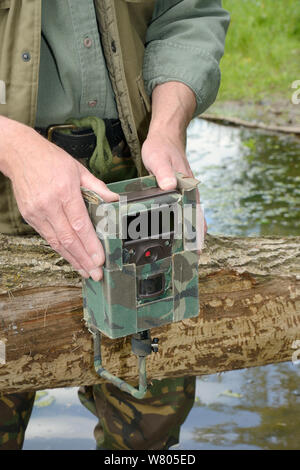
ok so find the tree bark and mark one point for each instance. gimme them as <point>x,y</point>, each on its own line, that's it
<point>249,316</point>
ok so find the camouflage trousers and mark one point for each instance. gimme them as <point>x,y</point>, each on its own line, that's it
<point>15,411</point>
<point>125,422</point>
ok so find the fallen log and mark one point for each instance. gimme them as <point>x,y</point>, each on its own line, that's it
<point>234,121</point>
<point>249,316</point>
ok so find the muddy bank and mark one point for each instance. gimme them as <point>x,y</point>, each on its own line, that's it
<point>276,112</point>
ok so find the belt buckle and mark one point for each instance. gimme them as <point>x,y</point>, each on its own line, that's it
<point>53,128</point>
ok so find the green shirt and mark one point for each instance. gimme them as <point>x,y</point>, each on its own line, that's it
<point>185,41</point>
<point>73,80</point>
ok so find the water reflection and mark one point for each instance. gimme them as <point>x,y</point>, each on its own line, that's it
<point>59,421</point>
<point>250,180</point>
<point>265,416</point>
<point>250,185</point>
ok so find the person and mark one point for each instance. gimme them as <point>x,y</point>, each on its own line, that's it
<point>146,69</point>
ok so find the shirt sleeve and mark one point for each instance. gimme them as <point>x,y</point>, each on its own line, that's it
<point>185,42</point>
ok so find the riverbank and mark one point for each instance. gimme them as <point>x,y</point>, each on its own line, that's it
<point>269,112</point>
<point>261,63</point>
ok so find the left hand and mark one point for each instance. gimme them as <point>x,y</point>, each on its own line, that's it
<point>163,154</point>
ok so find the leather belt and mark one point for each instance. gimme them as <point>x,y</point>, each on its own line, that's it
<point>81,142</point>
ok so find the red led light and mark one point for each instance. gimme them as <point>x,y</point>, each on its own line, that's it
<point>147,253</point>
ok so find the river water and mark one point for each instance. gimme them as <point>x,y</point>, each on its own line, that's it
<point>250,186</point>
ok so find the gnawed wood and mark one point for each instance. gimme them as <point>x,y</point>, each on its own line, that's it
<point>249,316</point>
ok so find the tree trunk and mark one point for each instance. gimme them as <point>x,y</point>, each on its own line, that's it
<point>249,316</point>
<point>234,121</point>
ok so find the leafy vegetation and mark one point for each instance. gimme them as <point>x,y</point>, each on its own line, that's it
<point>262,50</point>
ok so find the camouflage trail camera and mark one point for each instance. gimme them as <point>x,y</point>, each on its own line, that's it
<point>151,267</point>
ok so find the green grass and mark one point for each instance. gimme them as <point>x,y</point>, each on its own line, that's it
<point>262,56</point>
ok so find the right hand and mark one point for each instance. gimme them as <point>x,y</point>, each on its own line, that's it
<point>46,182</point>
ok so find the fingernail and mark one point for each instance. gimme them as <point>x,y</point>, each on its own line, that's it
<point>168,183</point>
<point>116,196</point>
<point>111,196</point>
<point>97,259</point>
<point>95,274</point>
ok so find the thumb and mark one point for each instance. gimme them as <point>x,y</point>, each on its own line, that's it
<point>89,181</point>
<point>164,173</point>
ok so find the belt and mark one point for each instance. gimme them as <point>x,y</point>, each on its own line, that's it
<point>81,142</point>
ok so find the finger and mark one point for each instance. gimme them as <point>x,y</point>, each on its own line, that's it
<point>49,235</point>
<point>89,181</point>
<point>70,241</point>
<point>163,171</point>
<point>81,224</point>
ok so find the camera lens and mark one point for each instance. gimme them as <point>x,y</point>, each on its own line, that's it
<point>152,286</point>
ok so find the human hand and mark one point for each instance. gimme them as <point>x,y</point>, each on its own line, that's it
<point>163,151</point>
<point>46,182</point>
<point>163,155</point>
